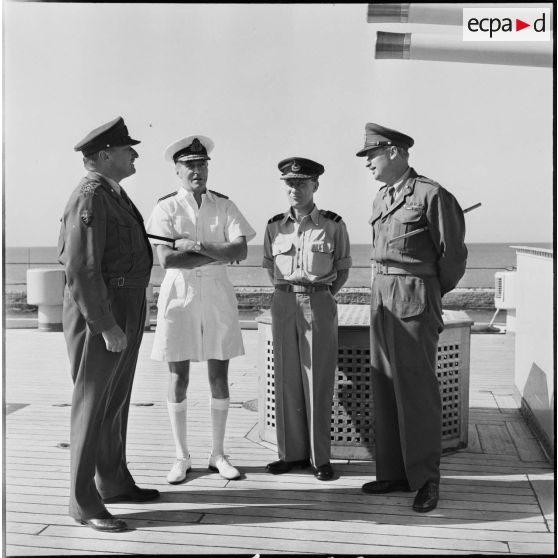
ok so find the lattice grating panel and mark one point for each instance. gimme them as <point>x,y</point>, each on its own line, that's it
<point>448,373</point>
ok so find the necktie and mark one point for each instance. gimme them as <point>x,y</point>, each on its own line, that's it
<point>391,193</point>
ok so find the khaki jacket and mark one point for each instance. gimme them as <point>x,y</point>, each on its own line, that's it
<point>423,203</point>
<point>102,244</point>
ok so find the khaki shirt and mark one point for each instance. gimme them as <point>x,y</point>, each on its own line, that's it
<point>422,203</point>
<point>102,238</point>
<point>311,251</point>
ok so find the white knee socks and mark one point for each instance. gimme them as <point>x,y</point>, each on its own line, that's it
<point>219,411</point>
<point>177,415</point>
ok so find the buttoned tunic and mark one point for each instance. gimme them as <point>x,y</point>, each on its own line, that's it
<point>406,320</point>
<point>308,252</point>
<point>304,329</point>
<point>197,316</point>
<point>107,258</point>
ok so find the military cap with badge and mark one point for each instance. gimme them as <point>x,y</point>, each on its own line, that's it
<point>191,148</point>
<point>299,167</point>
<point>111,134</point>
<point>380,136</point>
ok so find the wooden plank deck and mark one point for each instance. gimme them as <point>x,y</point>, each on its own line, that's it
<point>496,496</point>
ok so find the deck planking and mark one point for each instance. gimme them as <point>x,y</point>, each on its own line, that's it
<point>496,496</point>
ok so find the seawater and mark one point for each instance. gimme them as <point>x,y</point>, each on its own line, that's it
<point>484,260</point>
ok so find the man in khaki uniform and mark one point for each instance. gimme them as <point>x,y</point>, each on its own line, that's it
<point>107,258</point>
<point>410,276</point>
<point>307,256</point>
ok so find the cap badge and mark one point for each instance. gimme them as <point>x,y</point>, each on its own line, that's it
<point>295,167</point>
<point>196,146</point>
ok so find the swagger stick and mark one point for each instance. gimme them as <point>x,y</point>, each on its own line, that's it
<point>412,233</point>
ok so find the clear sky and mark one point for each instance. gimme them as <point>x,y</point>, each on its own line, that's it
<point>264,82</point>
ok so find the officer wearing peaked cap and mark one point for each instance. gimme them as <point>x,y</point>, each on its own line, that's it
<point>307,257</point>
<point>197,309</point>
<point>410,276</point>
<point>107,258</point>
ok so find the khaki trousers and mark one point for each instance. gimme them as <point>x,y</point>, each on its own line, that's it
<point>100,402</point>
<point>405,324</point>
<point>304,328</point>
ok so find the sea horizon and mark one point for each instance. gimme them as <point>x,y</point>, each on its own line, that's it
<point>484,260</point>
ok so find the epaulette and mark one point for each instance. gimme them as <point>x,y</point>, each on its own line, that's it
<point>330,215</point>
<point>426,180</point>
<point>277,217</point>
<point>167,196</point>
<point>89,186</point>
<point>219,195</point>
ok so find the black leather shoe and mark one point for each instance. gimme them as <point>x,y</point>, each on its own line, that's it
<point>324,472</point>
<point>426,498</point>
<point>107,524</point>
<point>280,467</point>
<point>134,494</point>
<point>385,486</point>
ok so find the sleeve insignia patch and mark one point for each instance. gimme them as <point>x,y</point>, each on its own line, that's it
<point>86,216</point>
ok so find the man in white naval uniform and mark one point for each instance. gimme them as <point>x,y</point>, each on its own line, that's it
<point>197,309</point>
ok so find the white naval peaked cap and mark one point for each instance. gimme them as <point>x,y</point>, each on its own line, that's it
<point>191,148</point>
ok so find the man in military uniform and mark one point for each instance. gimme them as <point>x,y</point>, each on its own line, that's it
<point>307,257</point>
<point>410,276</point>
<point>107,257</point>
<point>197,309</point>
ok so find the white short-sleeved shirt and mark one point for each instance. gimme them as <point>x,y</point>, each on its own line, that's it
<point>216,220</point>
<point>197,315</point>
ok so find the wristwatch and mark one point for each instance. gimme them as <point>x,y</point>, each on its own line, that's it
<point>197,247</point>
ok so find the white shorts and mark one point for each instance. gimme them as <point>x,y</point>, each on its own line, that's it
<point>197,317</point>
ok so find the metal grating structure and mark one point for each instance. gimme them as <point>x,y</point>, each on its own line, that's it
<point>352,412</point>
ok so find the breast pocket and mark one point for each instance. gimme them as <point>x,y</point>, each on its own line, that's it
<point>408,216</point>
<point>283,252</point>
<point>320,258</point>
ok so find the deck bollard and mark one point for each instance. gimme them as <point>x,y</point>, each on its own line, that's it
<point>45,288</point>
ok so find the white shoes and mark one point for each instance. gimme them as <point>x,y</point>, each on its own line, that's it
<point>222,464</point>
<point>179,469</point>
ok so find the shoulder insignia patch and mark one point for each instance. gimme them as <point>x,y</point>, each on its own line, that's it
<point>167,196</point>
<point>277,217</point>
<point>330,215</point>
<point>86,216</point>
<point>89,186</point>
<point>219,195</point>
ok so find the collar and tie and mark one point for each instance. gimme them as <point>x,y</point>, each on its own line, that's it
<point>391,194</point>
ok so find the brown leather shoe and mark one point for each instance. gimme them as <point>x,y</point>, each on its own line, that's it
<point>385,486</point>
<point>107,524</point>
<point>279,467</point>
<point>134,494</point>
<point>426,498</point>
<point>324,472</point>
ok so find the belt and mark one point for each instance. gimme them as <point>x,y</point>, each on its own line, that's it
<point>425,269</point>
<point>306,288</point>
<point>126,282</point>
